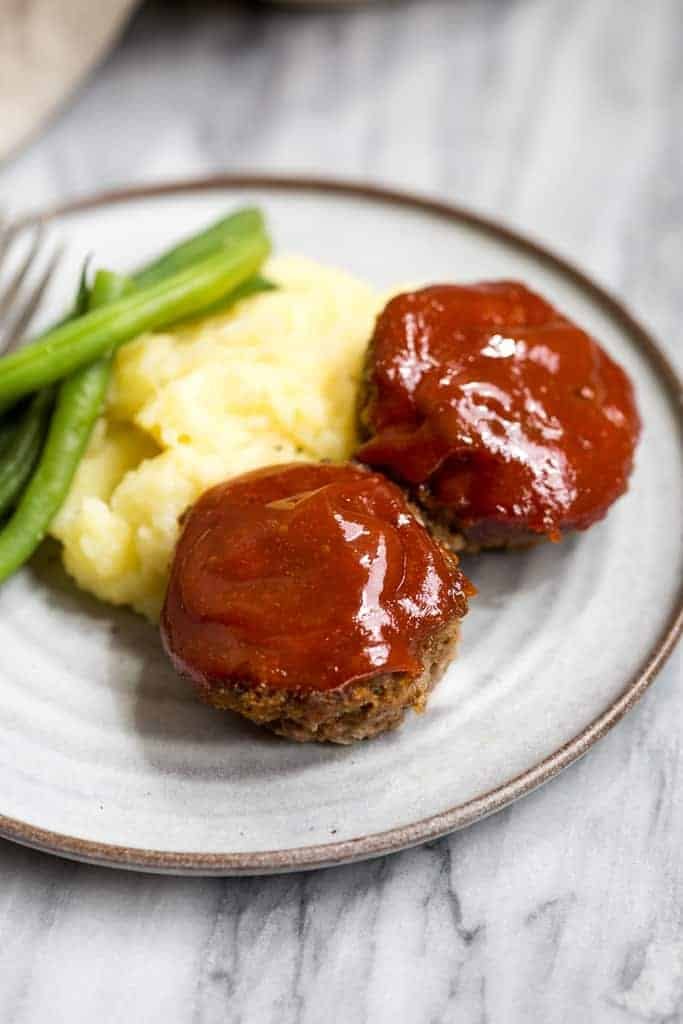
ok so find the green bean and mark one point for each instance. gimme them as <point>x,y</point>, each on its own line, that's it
<point>8,431</point>
<point>107,287</point>
<point>225,233</point>
<point>79,402</point>
<point>16,421</point>
<point>252,286</point>
<point>22,436</point>
<point>220,235</point>
<point>98,333</point>
<point>20,459</point>
<point>91,382</point>
<point>82,295</point>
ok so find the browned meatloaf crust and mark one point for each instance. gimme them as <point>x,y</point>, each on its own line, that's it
<point>356,711</point>
<point>443,525</point>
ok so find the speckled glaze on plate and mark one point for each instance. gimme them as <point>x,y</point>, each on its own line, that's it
<point>105,755</point>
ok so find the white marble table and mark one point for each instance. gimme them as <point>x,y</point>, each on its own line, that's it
<point>567,118</point>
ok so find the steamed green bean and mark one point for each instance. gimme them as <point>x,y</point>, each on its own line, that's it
<point>19,459</point>
<point>98,333</point>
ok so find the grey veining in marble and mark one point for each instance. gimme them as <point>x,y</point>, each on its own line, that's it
<point>567,119</point>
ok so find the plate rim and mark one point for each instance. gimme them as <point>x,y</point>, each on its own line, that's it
<point>459,816</point>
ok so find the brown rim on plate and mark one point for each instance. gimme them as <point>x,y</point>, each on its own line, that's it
<point>329,854</point>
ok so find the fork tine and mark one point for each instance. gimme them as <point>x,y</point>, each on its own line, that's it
<point>6,236</point>
<point>12,290</point>
<point>22,320</point>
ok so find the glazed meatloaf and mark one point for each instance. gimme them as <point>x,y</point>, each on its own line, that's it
<point>507,423</point>
<point>309,599</point>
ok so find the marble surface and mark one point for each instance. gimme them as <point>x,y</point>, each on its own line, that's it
<point>566,119</point>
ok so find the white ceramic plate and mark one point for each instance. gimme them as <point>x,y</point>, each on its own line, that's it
<point>106,756</point>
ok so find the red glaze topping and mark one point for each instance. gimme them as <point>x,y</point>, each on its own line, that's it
<point>506,412</point>
<point>306,577</point>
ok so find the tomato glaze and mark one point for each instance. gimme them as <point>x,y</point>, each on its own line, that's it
<point>491,404</point>
<point>306,577</point>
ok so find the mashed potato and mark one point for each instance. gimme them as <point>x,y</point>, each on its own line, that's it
<point>273,380</point>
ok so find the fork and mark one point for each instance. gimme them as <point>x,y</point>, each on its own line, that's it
<point>21,298</point>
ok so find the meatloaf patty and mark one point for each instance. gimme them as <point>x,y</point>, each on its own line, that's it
<point>507,423</point>
<point>310,599</point>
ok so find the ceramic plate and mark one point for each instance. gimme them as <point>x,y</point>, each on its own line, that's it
<point>106,756</point>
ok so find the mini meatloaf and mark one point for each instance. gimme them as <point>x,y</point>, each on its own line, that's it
<point>311,600</point>
<point>506,422</point>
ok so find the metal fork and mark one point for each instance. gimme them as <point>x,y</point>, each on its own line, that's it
<point>21,297</point>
